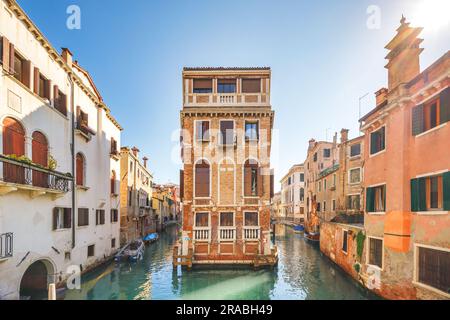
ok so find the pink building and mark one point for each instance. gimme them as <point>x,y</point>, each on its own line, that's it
<point>407,177</point>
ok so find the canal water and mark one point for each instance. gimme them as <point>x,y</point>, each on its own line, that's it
<point>302,273</point>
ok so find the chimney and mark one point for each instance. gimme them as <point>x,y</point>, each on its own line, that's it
<point>335,139</point>
<point>344,135</point>
<point>67,56</point>
<point>381,96</point>
<point>145,159</point>
<point>135,151</point>
<point>312,142</point>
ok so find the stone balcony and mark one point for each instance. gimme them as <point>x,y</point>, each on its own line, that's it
<point>226,100</point>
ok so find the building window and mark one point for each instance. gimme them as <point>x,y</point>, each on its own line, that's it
<point>226,85</point>
<point>19,67</point>
<point>315,157</point>
<point>13,144</point>
<point>355,150</point>
<point>353,202</point>
<point>42,86</point>
<point>113,182</point>
<point>83,217</point>
<point>114,215</point>
<point>202,179</point>
<point>429,115</point>
<point>202,219</point>
<point>62,218</point>
<point>431,193</point>
<point>114,147</point>
<point>376,252</point>
<point>251,178</point>
<point>345,241</point>
<point>113,243</point>
<point>334,180</point>
<point>334,205</point>
<point>226,219</point>
<point>324,206</point>
<point>251,130</point>
<point>377,140</point>
<point>326,153</point>
<point>67,256</point>
<point>80,170</point>
<point>302,194</point>
<point>202,86</point>
<point>318,206</point>
<point>226,132</point>
<point>202,130</point>
<point>39,148</point>
<point>99,217</point>
<point>320,186</point>
<point>325,184</point>
<point>91,250</point>
<point>251,85</point>
<point>433,267</point>
<point>302,177</point>
<point>251,219</point>
<point>59,101</point>
<point>354,176</point>
<point>376,199</point>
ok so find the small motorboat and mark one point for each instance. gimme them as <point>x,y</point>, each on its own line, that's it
<point>150,238</point>
<point>299,228</point>
<point>314,237</point>
<point>133,251</point>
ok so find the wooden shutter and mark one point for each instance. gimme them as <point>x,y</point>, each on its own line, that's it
<point>26,76</point>
<point>182,184</point>
<point>67,218</point>
<point>202,182</point>
<point>383,138</point>
<point>433,268</point>
<point>55,219</point>
<point>205,130</point>
<point>370,200</point>
<point>79,170</point>
<point>55,95</point>
<point>260,182</point>
<point>11,57</point>
<point>446,190</point>
<point>272,184</point>
<point>36,80</point>
<point>445,105</point>
<point>202,83</point>
<point>418,124</point>
<point>418,195</point>
<point>5,54</point>
<point>48,85</point>
<point>225,128</point>
<point>251,85</point>
<point>247,180</point>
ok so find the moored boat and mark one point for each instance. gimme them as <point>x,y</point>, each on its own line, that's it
<point>133,251</point>
<point>150,238</point>
<point>299,228</point>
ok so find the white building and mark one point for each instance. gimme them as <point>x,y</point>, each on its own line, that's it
<point>46,102</point>
<point>293,194</point>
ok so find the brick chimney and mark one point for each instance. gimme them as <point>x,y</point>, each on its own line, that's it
<point>145,159</point>
<point>312,142</point>
<point>135,151</point>
<point>381,96</point>
<point>344,135</point>
<point>67,56</point>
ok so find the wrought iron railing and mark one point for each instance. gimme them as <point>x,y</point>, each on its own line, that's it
<point>22,173</point>
<point>6,245</point>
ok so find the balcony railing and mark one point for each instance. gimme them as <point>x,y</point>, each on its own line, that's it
<point>202,234</point>
<point>28,174</point>
<point>232,99</point>
<point>6,245</point>
<point>251,233</point>
<point>227,233</point>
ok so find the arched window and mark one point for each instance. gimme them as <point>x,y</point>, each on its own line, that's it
<point>202,179</point>
<point>80,167</point>
<point>13,144</point>
<point>40,156</point>
<point>252,179</point>
<point>113,182</point>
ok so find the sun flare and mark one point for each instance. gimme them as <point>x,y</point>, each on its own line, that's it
<point>432,14</point>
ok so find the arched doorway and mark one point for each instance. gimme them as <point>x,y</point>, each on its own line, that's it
<point>35,280</point>
<point>40,156</point>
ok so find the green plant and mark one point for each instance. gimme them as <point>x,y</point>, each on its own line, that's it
<point>360,238</point>
<point>357,267</point>
<point>52,163</point>
<point>23,159</point>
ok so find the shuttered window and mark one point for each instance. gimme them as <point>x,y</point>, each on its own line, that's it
<point>99,217</point>
<point>202,86</point>
<point>376,199</point>
<point>431,193</point>
<point>80,168</point>
<point>355,150</point>
<point>226,85</point>
<point>376,252</point>
<point>202,219</point>
<point>434,266</point>
<point>251,178</point>
<point>202,130</point>
<point>182,184</point>
<point>62,218</point>
<point>113,183</point>
<point>13,144</point>
<point>345,241</point>
<point>226,219</point>
<point>377,141</point>
<point>59,101</point>
<point>83,217</point>
<point>40,156</point>
<point>251,130</point>
<point>251,219</point>
<point>91,250</point>
<point>431,114</point>
<point>326,153</point>
<point>251,85</point>
<point>226,132</point>
<point>114,215</point>
<point>353,202</point>
<point>202,179</point>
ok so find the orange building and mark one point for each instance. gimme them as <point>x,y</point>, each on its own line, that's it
<point>406,174</point>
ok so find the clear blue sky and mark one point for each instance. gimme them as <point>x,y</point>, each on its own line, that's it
<point>322,54</point>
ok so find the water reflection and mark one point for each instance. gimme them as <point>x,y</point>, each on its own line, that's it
<point>302,273</point>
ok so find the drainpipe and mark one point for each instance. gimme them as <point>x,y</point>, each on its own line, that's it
<point>72,149</point>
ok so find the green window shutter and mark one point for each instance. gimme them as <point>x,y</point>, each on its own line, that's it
<point>415,195</point>
<point>369,200</point>
<point>384,203</point>
<point>373,142</point>
<point>445,105</point>
<point>446,188</point>
<point>422,195</point>
<point>383,141</point>
<point>417,120</point>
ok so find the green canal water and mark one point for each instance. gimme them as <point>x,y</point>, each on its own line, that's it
<point>302,273</point>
